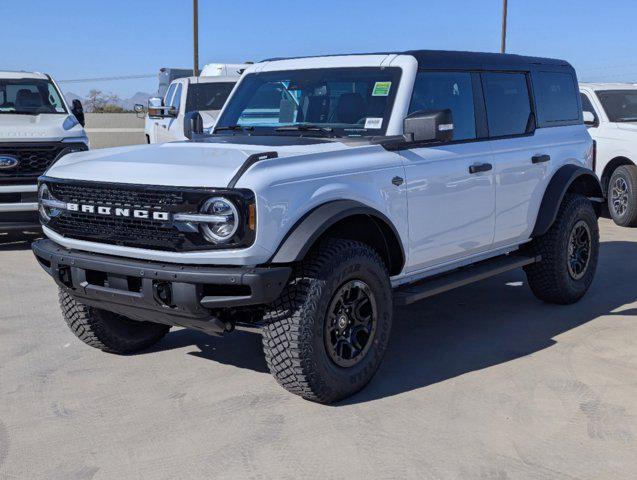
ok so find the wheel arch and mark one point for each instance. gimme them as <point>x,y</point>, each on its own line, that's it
<point>567,179</point>
<point>343,219</point>
<point>610,167</point>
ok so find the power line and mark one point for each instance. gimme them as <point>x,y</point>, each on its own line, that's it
<point>107,79</point>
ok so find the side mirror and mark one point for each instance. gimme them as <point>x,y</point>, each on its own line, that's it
<point>589,119</point>
<point>78,110</point>
<point>193,124</point>
<point>155,107</point>
<point>428,126</point>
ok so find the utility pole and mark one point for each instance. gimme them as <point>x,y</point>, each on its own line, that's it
<point>195,35</point>
<point>503,44</point>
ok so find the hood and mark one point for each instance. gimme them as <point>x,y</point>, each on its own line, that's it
<point>46,126</point>
<point>627,126</point>
<point>185,164</point>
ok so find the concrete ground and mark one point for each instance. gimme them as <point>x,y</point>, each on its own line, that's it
<point>482,382</point>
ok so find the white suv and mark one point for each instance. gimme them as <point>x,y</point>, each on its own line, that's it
<point>36,128</point>
<point>610,113</point>
<point>331,189</point>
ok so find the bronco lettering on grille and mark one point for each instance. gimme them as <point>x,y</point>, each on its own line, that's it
<point>118,211</point>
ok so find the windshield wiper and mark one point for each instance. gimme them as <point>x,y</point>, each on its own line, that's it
<point>234,128</point>
<point>327,131</point>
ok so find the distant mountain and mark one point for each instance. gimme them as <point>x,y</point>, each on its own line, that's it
<point>139,97</point>
<point>125,103</point>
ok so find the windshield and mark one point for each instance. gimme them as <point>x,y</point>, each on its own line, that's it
<point>30,96</point>
<point>619,105</point>
<point>207,96</point>
<point>342,101</point>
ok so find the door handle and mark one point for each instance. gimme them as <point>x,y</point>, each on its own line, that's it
<point>540,158</point>
<point>480,167</point>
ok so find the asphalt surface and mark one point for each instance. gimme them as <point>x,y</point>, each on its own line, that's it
<point>482,382</point>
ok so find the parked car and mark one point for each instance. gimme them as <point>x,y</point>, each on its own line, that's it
<point>331,189</point>
<point>610,113</point>
<point>205,94</point>
<point>37,127</point>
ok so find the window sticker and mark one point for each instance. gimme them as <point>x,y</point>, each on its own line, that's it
<point>374,123</point>
<point>381,89</point>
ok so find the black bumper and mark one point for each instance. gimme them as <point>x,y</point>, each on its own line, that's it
<point>182,295</point>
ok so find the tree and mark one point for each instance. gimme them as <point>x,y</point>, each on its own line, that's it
<point>98,102</point>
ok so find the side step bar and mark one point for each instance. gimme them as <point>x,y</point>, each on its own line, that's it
<point>429,287</point>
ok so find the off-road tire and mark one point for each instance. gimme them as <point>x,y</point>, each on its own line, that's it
<point>293,337</point>
<point>628,175</point>
<point>108,331</point>
<point>550,279</point>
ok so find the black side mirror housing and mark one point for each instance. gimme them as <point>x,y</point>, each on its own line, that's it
<point>428,126</point>
<point>193,124</point>
<point>78,110</point>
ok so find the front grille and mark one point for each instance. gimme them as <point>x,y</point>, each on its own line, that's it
<point>128,231</point>
<point>34,157</point>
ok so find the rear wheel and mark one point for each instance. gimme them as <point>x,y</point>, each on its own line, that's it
<point>326,335</point>
<point>569,252</point>
<point>108,331</point>
<point>622,196</point>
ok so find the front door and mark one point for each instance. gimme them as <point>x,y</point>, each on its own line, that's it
<point>450,187</point>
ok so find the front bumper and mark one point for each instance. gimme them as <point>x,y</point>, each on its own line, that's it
<point>180,295</point>
<point>18,207</point>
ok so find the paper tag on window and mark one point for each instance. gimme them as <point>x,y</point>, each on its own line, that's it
<point>375,123</point>
<point>381,89</point>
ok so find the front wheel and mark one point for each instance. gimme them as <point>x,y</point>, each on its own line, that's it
<point>569,252</point>
<point>108,331</point>
<point>326,335</point>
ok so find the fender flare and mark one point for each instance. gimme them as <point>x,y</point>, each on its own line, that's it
<point>309,229</point>
<point>565,177</point>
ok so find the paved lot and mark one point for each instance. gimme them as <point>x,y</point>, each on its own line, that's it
<point>484,382</point>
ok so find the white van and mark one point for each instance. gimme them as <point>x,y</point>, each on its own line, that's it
<point>37,127</point>
<point>205,94</point>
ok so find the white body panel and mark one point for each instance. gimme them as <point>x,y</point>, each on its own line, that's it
<point>614,140</point>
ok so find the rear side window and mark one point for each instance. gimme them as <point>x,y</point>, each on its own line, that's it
<point>556,97</point>
<point>508,104</point>
<point>442,90</point>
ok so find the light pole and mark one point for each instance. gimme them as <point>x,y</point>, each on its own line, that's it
<point>195,35</point>
<point>503,44</point>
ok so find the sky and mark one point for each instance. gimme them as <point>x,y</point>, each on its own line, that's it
<point>78,39</point>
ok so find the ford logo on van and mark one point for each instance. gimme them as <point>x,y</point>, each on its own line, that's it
<point>8,162</point>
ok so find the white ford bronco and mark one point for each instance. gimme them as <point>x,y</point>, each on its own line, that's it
<point>610,113</point>
<point>331,190</point>
<point>36,128</point>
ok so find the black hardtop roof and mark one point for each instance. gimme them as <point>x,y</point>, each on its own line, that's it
<point>460,59</point>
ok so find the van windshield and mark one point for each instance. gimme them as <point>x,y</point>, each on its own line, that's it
<point>619,105</point>
<point>335,101</point>
<point>30,96</point>
<point>207,96</point>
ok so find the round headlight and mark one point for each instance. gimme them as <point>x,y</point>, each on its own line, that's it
<point>225,226</point>
<point>44,194</point>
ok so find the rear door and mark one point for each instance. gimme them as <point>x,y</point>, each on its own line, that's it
<point>521,160</point>
<point>451,203</point>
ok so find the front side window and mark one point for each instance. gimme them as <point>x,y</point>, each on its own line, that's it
<point>30,96</point>
<point>342,101</point>
<point>207,96</point>
<point>508,105</point>
<point>176,100</point>
<point>556,97</point>
<point>619,105</point>
<point>447,90</point>
<point>169,94</point>
<point>587,106</point>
